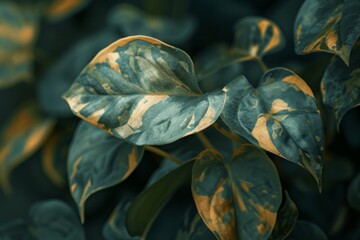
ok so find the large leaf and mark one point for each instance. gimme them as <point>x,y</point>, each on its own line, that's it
<point>52,219</point>
<point>306,230</point>
<point>280,115</point>
<point>18,29</point>
<point>353,194</point>
<point>237,199</point>
<point>23,134</point>
<point>327,25</point>
<point>97,161</point>
<point>148,204</point>
<point>59,9</point>
<point>341,85</point>
<point>196,230</point>
<point>144,91</point>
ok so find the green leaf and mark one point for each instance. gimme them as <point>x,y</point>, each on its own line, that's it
<point>144,91</point>
<point>148,204</point>
<point>340,86</point>
<point>280,115</point>
<point>59,9</point>
<point>286,219</point>
<point>131,20</point>
<point>237,199</point>
<point>306,230</point>
<point>197,230</point>
<point>353,194</point>
<point>97,161</point>
<point>327,26</point>
<point>19,26</point>
<point>23,134</point>
<point>115,228</point>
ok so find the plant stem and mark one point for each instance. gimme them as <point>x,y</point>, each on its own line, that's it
<point>204,140</point>
<point>227,134</point>
<point>164,154</point>
<point>262,64</point>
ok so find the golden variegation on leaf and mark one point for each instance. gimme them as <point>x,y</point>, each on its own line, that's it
<point>58,9</point>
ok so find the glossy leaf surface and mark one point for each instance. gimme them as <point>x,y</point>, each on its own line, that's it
<point>23,134</point>
<point>307,230</point>
<point>97,161</point>
<point>280,115</point>
<point>286,219</point>
<point>148,204</point>
<point>18,29</point>
<point>144,91</point>
<point>237,199</point>
<point>341,85</point>
<point>329,26</point>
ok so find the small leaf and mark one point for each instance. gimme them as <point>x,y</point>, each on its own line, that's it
<point>97,161</point>
<point>17,35</point>
<point>144,91</point>
<point>20,137</point>
<point>340,86</point>
<point>59,9</point>
<point>353,194</point>
<point>131,20</point>
<point>280,115</point>
<point>115,228</point>
<point>237,199</point>
<point>148,204</point>
<point>327,26</point>
<point>286,219</point>
<point>306,230</point>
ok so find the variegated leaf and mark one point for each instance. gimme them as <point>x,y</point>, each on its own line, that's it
<point>18,29</point>
<point>97,161</point>
<point>59,9</point>
<point>144,91</point>
<point>196,230</point>
<point>286,219</point>
<point>280,115</point>
<point>329,26</point>
<point>131,20</point>
<point>23,134</point>
<point>237,199</point>
<point>340,86</point>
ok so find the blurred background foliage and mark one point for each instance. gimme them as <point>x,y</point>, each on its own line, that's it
<point>43,47</point>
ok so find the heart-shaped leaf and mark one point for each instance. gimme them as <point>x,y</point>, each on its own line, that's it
<point>328,26</point>
<point>23,134</point>
<point>280,115</point>
<point>307,230</point>
<point>18,29</point>
<point>340,86</point>
<point>237,199</point>
<point>97,161</point>
<point>144,91</point>
<point>59,9</point>
<point>286,219</point>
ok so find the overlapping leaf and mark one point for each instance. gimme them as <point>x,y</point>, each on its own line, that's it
<point>307,230</point>
<point>130,20</point>
<point>353,194</point>
<point>280,115</point>
<point>237,199</point>
<point>97,161</point>
<point>329,26</point>
<point>59,9</point>
<point>20,137</point>
<point>340,85</point>
<point>144,91</point>
<point>196,230</point>
<point>18,28</point>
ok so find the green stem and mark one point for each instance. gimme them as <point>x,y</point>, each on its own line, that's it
<point>164,154</point>
<point>262,64</point>
<point>227,134</point>
<point>204,140</point>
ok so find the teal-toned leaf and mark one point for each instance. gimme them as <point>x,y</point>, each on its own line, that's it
<point>18,29</point>
<point>280,115</point>
<point>353,194</point>
<point>328,26</point>
<point>237,199</point>
<point>59,9</point>
<point>197,230</point>
<point>97,161</point>
<point>148,204</point>
<point>286,219</point>
<point>340,86</point>
<point>131,20</point>
<point>61,75</point>
<point>115,228</point>
<point>23,134</point>
<point>144,91</point>
<point>306,230</point>
<point>52,219</point>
